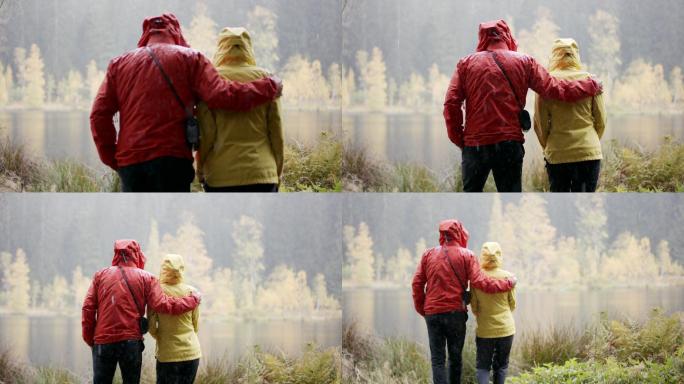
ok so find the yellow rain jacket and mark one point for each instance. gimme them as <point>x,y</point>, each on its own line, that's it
<point>176,335</point>
<point>494,312</point>
<point>569,132</point>
<point>240,148</point>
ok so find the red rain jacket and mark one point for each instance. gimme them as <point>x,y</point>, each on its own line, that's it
<point>151,120</point>
<point>109,312</point>
<point>435,287</point>
<point>491,109</point>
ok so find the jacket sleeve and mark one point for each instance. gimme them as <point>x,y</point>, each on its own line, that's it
<point>195,319</point>
<point>105,106</point>
<point>550,87</point>
<point>208,129</point>
<point>159,302</point>
<point>230,95</point>
<point>275,132</point>
<point>483,282</point>
<point>153,320</point>
<point>511,299</point>
<point>541,120</point>
<point>453,106</point>
<point>598,111</point>
<point>419,281</point>
<point>474,303</point>
<point>89,313</point>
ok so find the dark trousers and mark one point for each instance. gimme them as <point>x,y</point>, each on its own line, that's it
<point>181,372</point>
<point>504,159</point>
<point>253,188</point>
<point>164,174</point>
<point>127,354</point>
<point>446,332</point>
<point>582,176</point>
<point>492,355</point>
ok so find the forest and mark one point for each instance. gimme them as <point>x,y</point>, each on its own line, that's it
<point>390,56</point>
<point>48,268</point>
<point>540,244</point>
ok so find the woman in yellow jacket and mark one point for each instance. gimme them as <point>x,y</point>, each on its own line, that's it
<point>495,323</point>
<point>240,151</point>
<point>570,133</point>
<point>178,349</point>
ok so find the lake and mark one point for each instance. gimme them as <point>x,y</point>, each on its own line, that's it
<point>416,138</point>
<point>390,312</point>
<point>44,340</point>
<point>422,139</point>
<point>60,134</point>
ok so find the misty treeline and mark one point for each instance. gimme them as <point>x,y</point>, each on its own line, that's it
<point>533,249</point>
<point>244,290</point>
<point>361,55</point>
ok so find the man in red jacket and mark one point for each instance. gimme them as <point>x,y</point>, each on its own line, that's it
<point>151,153</point>
<point>492,138</point>
<point>111,313</point>
<point>438,285</point>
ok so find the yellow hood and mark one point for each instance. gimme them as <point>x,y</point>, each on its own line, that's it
<point>565,55</point>
<point>172,269</point>
<point>490,258</point>
<point>234,48</point>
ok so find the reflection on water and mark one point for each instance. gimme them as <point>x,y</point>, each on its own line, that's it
<point>422,139</point>
<point>44,340</point>
<point>391,312</point>
<point>60,134</point>
<point>415,138</point>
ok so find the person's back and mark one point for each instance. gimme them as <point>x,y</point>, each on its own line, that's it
<point>176,335</point>
<point>240,148</point>
<point>495,323</point>
<point>113,306</point>
<point>493,83</point>
<point>441,277</point>
<point>151,151</point>
<point>570,132</point>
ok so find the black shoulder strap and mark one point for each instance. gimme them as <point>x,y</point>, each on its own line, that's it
<point>510,83</point>
<point>168,81</point>
<point>140,311</point>
<point>460,282</point>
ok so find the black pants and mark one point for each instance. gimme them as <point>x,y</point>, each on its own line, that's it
<point>164,174</point>
<point>181,372</point>
<point>492,355</point>
<point>253,188</point>
<point>582,176</point>
<point>446,332</point>
<point>504,159</point>
<point>127,354</point>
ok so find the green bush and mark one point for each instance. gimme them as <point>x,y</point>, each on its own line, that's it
<point>313,168</point>
<point>554,345</point>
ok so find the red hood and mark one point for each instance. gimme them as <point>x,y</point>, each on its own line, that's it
<point>170,25</point>
<point>452,230</point>
<point>503,32</point>
<point>133,254</point>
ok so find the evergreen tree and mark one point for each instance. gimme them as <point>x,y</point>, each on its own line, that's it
<point>376,98</point>
<point>9,84</point>
<point>223,304</point>
<point>153,250</point>
<point>414,92</point>
<point>34,79</point>
<point>202,34</point>
<point>592,233</point>
<point>348,87</point>
<point>79,287</point>
<point>359,253</point>
<point>18,284</point>
<point>262,23</point>
<point>604,51</point>
<point>335,81</point>
<point>438,85</point>
<point>94,78</point>
<point>248,258</point>
<point>642,88</point>
<point>677,86</point>
<point>539,41</point>
<point>56,295</point>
